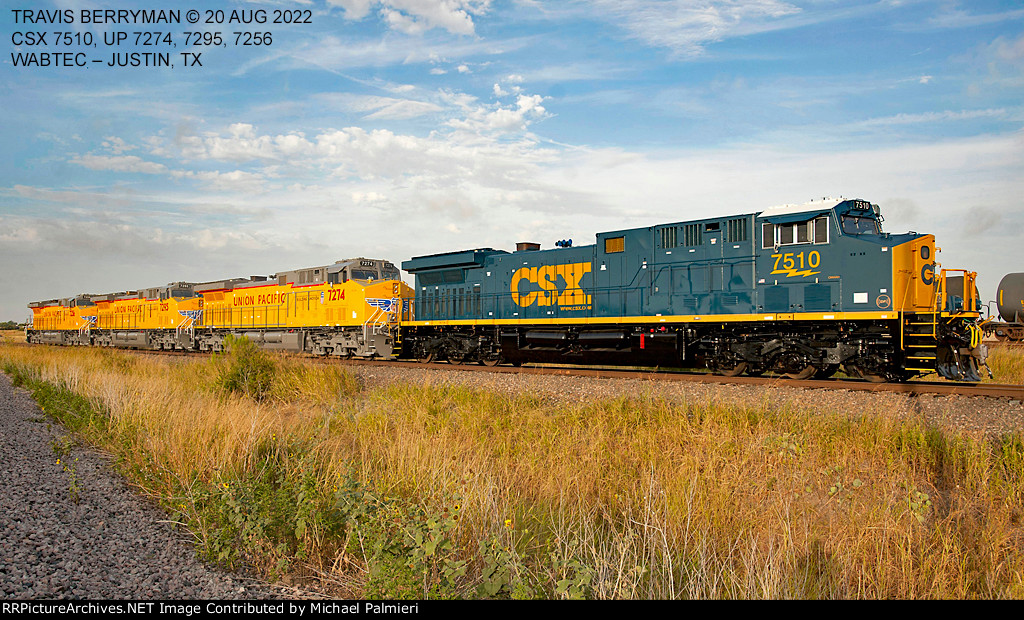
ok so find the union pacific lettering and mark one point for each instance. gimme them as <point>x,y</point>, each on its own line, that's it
<point>261,299</point>
<point>559,286</point>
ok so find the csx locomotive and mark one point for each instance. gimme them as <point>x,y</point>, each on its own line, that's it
<point>798,290</point>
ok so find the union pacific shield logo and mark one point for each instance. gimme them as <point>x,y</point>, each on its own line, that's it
<point>387,305</point>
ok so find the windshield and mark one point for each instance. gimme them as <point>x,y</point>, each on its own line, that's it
<point>854,225</point>
<point>364,274</point>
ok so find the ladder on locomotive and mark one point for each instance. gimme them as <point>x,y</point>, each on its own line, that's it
<point>380,322</point>
<point>919,337</point>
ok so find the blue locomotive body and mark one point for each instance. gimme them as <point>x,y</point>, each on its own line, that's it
<point>786,261</point>
<point>796,289</point>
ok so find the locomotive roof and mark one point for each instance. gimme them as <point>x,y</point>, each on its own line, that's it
<point>814,205</point>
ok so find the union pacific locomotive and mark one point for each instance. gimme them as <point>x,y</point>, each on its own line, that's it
<point>351,308</point>
<point>799,290</point>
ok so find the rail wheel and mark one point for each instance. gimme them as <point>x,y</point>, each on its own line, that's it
<point>425,358</point>
<point>734,371</point>
<point>826,371</point>
<point>804,373</point>
<point>727,364</point>
<point>793,365</point>
<point>490,361</point>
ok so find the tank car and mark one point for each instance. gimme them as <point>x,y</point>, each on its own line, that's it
<point>1010,306</point>
<point>799,290</point>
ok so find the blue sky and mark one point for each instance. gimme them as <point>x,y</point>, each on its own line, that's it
<point>394,128</point>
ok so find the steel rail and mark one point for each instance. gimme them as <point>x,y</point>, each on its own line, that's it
<point>989,390</point>
<point>992,390</point>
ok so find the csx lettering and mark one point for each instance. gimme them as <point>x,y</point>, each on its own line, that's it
<point>547,279</point>
<point>28,38</point>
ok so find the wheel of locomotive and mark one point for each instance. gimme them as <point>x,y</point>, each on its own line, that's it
<point>826,371</point>
<point>853,371</point>
<point>804,373</point>
<point>727,364</point>
<point>871,368</point>
<point>490,361</point>
<point>795,366</point>
<point>425,358</point>
<point>457,361</point>
<point>734,371</point>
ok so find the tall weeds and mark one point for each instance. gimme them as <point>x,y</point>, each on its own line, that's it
<point>430,489</point>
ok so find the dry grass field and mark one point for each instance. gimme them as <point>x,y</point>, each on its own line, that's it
<point>1007,364</point>
<point>434,490</point>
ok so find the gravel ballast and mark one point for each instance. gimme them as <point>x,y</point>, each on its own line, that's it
<point>110,545</point>
<point>989,416</point>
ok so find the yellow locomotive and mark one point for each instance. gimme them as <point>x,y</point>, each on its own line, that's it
<point>352,308</point>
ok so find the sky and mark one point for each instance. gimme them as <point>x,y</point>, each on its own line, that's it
<point>396,128</point>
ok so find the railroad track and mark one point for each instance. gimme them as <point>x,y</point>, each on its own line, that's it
<point>990,390</point>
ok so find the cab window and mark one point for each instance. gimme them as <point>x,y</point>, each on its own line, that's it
<point>854,225</point>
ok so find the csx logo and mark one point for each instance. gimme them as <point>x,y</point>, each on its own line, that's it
<point>928,274</point>
<point>559,285</point>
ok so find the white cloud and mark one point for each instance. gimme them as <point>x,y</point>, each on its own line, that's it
<point>493,193</point>
<point>686,26</point>
<point>935,117</point>
<point>950,18</point>
<point>418,16</point>
<point>482,119</point>
<point>234,181</point>
<point>354,9</point>
<point>368,198</point>
<point>119,163</point>
<point>404,109</point>
<point>116,145</point>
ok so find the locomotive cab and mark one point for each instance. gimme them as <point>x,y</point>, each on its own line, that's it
<point>861,218</point>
